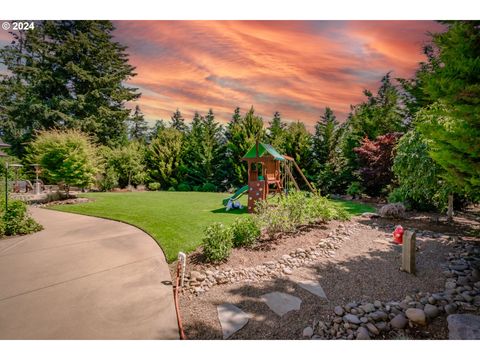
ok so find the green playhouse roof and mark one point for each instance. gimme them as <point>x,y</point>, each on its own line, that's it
<point>262,150</point>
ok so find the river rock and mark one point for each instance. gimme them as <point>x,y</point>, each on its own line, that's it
<point>338,310</point>
<point>362,334</point>
<point>416,315</point>
<point>450,308</point>
<point>308,332</point>
<point>368,308</point>
<point>352,319</point>
<point>431,311</point>
<point>399,321</point>
<point>373,329</point>
<point>197,276</point>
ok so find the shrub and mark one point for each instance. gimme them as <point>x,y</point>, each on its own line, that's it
<point>217,242</point>
<point>128,162</point>
<point>67,157</point>
<point>296,209</point>
<point>16,220</point>
<point>197,188</point>
<point>420,179</point>
<point>108,180</point>
<point>355,189</point>
<point>154,186</point>
<point>245,231</point>
<point>171,188</point>
<point>184,187</point>
<point>209,187</point>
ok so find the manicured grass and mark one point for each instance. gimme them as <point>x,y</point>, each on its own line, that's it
<point>354,208</point>
<point>175,219</point>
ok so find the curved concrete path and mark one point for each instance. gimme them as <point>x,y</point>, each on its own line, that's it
<point>84,278</point>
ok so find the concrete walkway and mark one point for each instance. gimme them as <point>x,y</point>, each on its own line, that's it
<point>84,278</point>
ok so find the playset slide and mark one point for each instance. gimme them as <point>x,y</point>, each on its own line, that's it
<point>237,194</point>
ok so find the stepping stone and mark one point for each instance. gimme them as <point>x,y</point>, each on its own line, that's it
<point>231,319</point>
<point>281,303</point>
<point>463,327</point>
<point>313,287</point>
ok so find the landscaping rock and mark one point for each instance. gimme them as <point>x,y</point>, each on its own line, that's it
<point>431,311</point>
<point>231,319</point>
<point>399,321</point>
<point>287,271</point>
<point>313,287</point>
<point>370,215</point>
<point>197,276</point>
<point>463,327</point>
<point>308,332</point>
<point>368,308</point>
<point>338,310</point>
<point>396,210</point>
<point>416,315</point>
<point>352,319</point>
<point>451,308</point>
<point>362,334</point>
<point>373,329</point>
<point>281,303</point>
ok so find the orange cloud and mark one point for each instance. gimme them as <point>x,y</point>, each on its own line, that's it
<point>294,67</point>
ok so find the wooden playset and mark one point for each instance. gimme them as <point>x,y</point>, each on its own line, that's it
<point>269,172</point>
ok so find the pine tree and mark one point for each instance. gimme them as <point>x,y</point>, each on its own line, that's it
<point>324,138</point>
<point>204,151</point>
<point>178,122</point>
<point>65,75</point>
<point>241,137</point>
<point>157,128</point>
<point>298,142</point>
<point>276,132</point>
<point>451,124</point>
<point>138,126</point>
<point>323,147</point>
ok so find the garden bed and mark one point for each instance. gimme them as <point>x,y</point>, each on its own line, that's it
<point>365,267</point>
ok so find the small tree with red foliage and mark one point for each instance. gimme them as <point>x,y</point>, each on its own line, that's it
<point>376,160</point>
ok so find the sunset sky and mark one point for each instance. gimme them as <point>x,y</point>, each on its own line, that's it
<point>294,67</point>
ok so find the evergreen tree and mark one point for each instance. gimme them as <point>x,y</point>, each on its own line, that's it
<point>241,137</point>
<point>204,151</point>
<point>164,158</point>
<point>236,117</point>
<point>65,75</point>
<point>178,122</point>
<point>298,143</point>
<point>276,132</point>
<point>323,146</point>
<point>138,126</point>
<point>157,128</point>
<point>451,125</point>
<point>324,138</point>
<point>380,114</point>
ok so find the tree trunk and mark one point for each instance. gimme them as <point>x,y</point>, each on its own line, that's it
<point>450,208</point>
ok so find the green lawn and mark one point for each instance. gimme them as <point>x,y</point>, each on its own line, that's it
<point>175,219</point>
<point>354,208</point>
